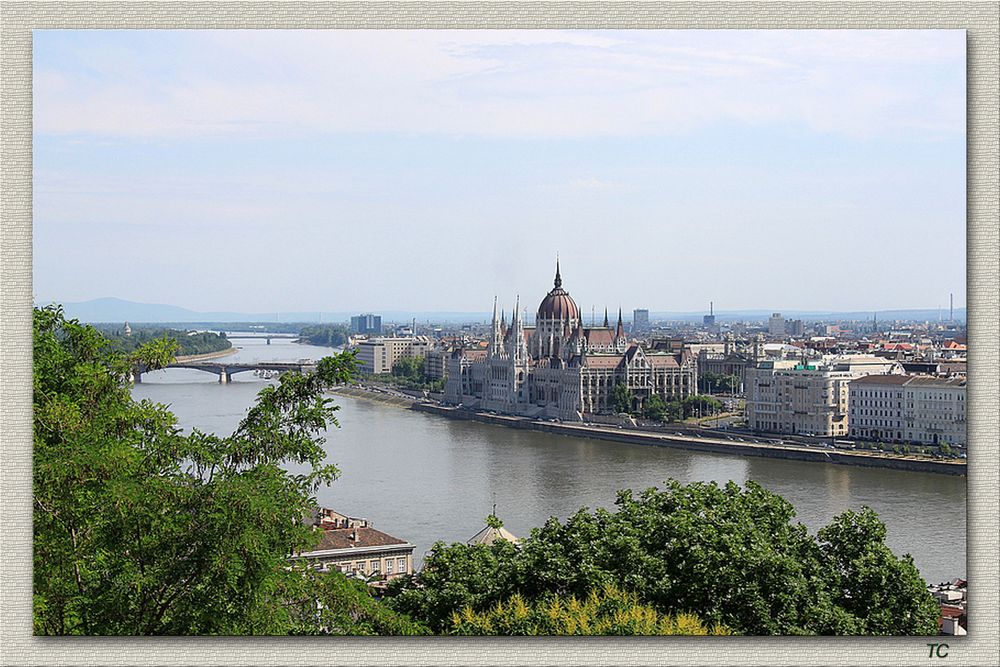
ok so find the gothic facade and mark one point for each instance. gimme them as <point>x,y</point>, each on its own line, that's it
<point>560,369</point>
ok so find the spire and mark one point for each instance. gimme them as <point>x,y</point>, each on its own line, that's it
<point>558,281</point>
<point>606,325</point>
<point>620,331</point>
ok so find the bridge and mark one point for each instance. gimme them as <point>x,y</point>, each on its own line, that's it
<point>248,335</point>
<point>227,371</point>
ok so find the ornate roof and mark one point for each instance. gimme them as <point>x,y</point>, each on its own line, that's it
<point>558,304</point>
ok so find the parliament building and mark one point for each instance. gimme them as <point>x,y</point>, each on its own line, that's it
<point>559,369</point>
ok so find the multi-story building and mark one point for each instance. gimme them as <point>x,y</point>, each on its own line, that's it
<point>876,407</point>
<point>436,363</point>
<point>559,369</point>
<point>909,408</point>
<point>361,550</point>
<point>640,321</point>
<point>807,397</point>
<point>776,325</point>
<point>366,324</point>
<point>378,355</point>
<point>732,360</point>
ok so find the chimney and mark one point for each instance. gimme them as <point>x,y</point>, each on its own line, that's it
<point>354,536</point>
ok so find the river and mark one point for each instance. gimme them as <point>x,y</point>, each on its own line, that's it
<point>425,478</point>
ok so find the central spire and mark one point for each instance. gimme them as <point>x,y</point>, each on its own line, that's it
<point>558,282</point>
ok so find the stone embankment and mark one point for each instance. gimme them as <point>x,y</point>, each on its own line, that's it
<point>706,444</point>
<point>397,400</point>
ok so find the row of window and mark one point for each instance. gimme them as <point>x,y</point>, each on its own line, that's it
<point>374,566</point>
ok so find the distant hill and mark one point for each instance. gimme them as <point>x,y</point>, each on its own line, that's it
<point>916,314</point>
<point>111,309</point>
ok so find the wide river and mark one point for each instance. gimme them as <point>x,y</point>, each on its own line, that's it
<point>425,478</point>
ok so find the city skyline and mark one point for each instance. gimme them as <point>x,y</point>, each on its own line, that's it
<point>244,171</point>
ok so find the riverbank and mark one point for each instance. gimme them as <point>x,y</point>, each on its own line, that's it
<point>207,355</point>
<point>704,444</point>
<point>385,398</point>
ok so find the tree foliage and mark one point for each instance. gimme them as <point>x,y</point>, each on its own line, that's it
<point>622,398</point>
<point>140,529</point>
<point>187,342</point>
<point>609,611</point>
<point>732,555</point>
<point>324,335</point>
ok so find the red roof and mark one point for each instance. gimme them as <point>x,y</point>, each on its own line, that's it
<point>340,538</point>
<point>603,361</point>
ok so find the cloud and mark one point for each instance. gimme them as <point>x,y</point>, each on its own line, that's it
<point>191,84</point>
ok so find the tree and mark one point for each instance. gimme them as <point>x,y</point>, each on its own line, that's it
<point>622,398</point>
<point>324,335</point>
<point>139,529</point>
<point>409,368</point>
<point>700,406</point>
<point>454,576</point>
<point>869,582</point>
<point>609,611</point>
<point>731,555</point>
<point>656,408</point>
<point>331,604</point>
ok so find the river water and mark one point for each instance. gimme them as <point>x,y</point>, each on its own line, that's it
<point>425,478</point>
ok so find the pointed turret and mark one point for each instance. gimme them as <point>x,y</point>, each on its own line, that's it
<point>620,330</point>
<point>606,325</point>
<point>496,337</point>
<point>518,343</point>
<point>558,281</point>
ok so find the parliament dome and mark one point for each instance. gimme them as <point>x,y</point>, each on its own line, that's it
<point>558,304</point>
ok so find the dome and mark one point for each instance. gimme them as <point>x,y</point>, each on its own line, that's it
<point>558,304</point>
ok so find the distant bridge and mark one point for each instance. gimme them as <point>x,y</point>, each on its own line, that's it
<point>243,335</point>
<point>226,371</point>
<point>246,334</point>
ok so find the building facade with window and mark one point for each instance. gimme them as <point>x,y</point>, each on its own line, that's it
<point>366,324</point>
<point>807,397</point>
<point>910,408</point>
<point>379,355</point>
<point>361,550</point>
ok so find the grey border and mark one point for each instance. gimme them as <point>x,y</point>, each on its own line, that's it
<point>17,19</point>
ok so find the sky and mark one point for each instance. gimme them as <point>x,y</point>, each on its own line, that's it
<point>362,170</point>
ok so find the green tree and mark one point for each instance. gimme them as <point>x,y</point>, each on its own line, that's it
<point>655,408</point>
<point>622,398</point>
<point>454,576</point>
<point>409,368</point>
<point>732,555</point>
<point>139,529</point>
<point>885,593</point>
<point>324,335</point>
<point>329,603</point>
<point>606,612</point>
<point>700,406</point>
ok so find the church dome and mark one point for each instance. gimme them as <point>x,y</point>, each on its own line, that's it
<point>558,304</point>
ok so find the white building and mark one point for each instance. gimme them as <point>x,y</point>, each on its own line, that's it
<point>807,397</point>
<point>918,409</point>
<point>776,325</point>
<point>378,355</point>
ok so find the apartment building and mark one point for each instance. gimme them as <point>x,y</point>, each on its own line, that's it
<point>807,397</point>
<point>909,408</point>
<point>378,355</point>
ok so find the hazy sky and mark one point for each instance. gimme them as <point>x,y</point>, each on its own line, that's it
<point>429,170</point>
